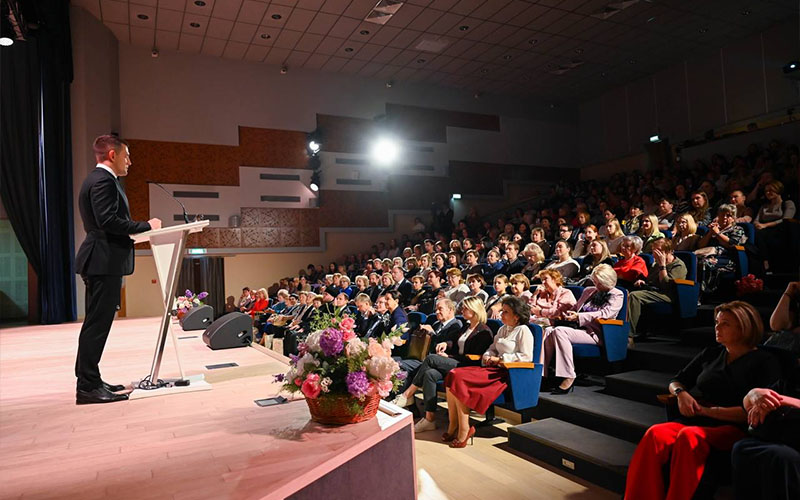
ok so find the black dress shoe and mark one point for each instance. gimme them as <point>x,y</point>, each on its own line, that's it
<point>113,388</point>
<point>99,395</point>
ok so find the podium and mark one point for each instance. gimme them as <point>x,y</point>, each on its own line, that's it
<point>168,245</point>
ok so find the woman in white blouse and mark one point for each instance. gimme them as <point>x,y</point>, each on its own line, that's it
<point>478,387</point>
<point>563,261</point>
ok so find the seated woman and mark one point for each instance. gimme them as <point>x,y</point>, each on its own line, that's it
<point>550,300</point>
<point>584,240</point>
<point>601,301</point>
<point>563,262</point>
<point>471,265</point>
<point>535,260</point>
<point>630,267</point>
<point>615,235</point>
<point>685,238</point>
<point>387,282</point>
<point>709,392</point>
<point>648,232</point>
<point>712,253</point>
<point>537,236</point>
<point>700,210</point>
<point>767,470</point>
<point>475,283</point>
<point>427,302</point>
<point>477,387</point>
<point>493,304</point>
<point>440,262</point>
<point>453,260</point>
<point>456,289</point>
<point>598,254</point>
<point>362,285</point>
<point>630,224</point>
<point>771,238</point>
<point>451,352</point>
<point>743,212</point>
<point>344,286</point>
<point>262,302</point>
<point>520,286</point>
<point>660,284</point>
<point>493,266</point>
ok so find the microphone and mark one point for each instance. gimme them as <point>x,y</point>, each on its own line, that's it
<point>185,215</point>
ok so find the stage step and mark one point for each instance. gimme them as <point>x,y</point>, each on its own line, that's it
<point>591,408</point>
<point>660,356</point>
<point>639,385</point>
<point>591,455</point>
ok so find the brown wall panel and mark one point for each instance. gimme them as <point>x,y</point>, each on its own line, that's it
<point>260,147</point>
<point>744,79</point>
<point>430,125</point>
<point>345,134</point>
<point>706,93</point>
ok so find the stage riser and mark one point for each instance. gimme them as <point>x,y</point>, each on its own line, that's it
<point>660,357</point>
<point>642,385</point>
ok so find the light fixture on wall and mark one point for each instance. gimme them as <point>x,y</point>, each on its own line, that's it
<point>655,138</point>
<point>456,196</point>
<point>314,142</point>
<point>385,151</point>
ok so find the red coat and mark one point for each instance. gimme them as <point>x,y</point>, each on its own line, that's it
<point>631,269</point>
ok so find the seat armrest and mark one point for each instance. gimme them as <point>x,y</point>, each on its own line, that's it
<point>610,322</point>
<point>473,357</point>
<point>684,282</point>
<point>518,364</point>
<point>740,248</point>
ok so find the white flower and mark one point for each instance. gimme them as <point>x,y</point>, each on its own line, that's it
<point>325,384</point>
<point>381,367</point>
<point>312,341</point>
<point>354,346</point>
<point>307,359</point>
<point>387,344</point>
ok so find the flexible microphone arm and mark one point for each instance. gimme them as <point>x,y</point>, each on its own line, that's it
<point>185,215</point>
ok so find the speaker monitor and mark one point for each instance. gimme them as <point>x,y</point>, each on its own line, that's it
<point>198,318</point>
<point>232,330</point>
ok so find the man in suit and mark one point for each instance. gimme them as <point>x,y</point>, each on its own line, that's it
<point>402,285</point>
<point>105,256</point>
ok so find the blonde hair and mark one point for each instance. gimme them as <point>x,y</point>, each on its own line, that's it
<point>604,277</point>
<point>475,304</point>
<point>501,277</point>
<point>618,232</point>
<point>363,279</point>
<point>519,278</point>
<point>605,254</point>
<point>690,222</point>
<point>454,272</point>
<point>362,298</point>
<point>536,250</point>
<point>653,225</point>
<point>555,275</point>
<point>749,320</point>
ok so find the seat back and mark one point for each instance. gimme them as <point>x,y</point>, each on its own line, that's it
<point>538,335</point>
<point>667,234</point>
<point>648,259</point>
<point>622,315</point>
<point>749,231</point>
<point>490,291</point>
<point>690,259</point>
<point>415,319</point>
<point>430,320</point>
<point>494,325</point>
<point>576,290</point>
<point>701,231</point>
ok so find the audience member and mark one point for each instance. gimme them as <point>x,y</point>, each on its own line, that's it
<point>630,267</point>
<point>771,236</point>
<point>648,231</point>
<point>712,253</point>
<point>563,261</point>
<point>685,238</point>
<point>550,300</point>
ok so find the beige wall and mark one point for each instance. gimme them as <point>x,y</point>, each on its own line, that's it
<point>606,169</point>
<point>259,269</point>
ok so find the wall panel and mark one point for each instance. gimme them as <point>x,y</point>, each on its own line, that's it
<point>706,93</point>
<point>744,79</point>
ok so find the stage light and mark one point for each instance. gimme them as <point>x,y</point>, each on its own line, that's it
<point>315,177</point>
<point>791,66</point>
<point>6,42</point>
<point>655,138</point>
<point>314,147</point>
<point>456,196</point>
<point>314,187</point>
<point>385,151</point>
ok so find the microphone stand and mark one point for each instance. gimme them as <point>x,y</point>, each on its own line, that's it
<point>185,215</point>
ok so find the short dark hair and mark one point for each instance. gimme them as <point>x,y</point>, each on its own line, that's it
<point>394,294</point>
<point>105,143</point>
<point>519,308</point>
<point>246,288</point>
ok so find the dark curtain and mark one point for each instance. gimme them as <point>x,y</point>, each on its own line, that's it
<point>204,274</point>
<point>36,156</point>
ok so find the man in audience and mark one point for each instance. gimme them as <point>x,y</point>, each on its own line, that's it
<point>246,300</point>
<point>666,217</point>
<point>513,264</point>
<point>402,285</point>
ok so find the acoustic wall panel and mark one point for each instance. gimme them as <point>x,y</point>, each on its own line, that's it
<point>744,79</point>
<point>672,103</point>
<point>706,93</point>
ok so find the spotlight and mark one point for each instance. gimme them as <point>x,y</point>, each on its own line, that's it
<point>655,138</point>
<point>314,147</point>
<point>385,151</point>
<point>456,196</point>
<point>314,187</point>
<point>791,66</point>
<point>314,143</point>
<point>315,177</point>
<point>6,42</point>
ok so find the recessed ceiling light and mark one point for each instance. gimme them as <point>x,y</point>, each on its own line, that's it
<point>421,61</point>
<point>579,51</point>
<point>143,17</point>
<point>276,16</point>
<point>194,25</point>
<point>484,71</point>
<point>463,27</point>
<point>526,77</point>
<point>533,41</point>
<point>746,12</point>
<point>631,61</point>
<point>651,19</point>
<point>265,36</point>
<point>603,74</point>
<point>348,49</point>
<point>200,3</point>
<point>507,57</point>
<point>364,32</point>
<point>703,30</point>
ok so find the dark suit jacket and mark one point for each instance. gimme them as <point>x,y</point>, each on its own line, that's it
<point>370,326</point>
<point>107,249</point>
<point>514,267</point>
<point>406,292</point>
<point>374,292</point>
<point>477,343</point>
<point>451,331</point>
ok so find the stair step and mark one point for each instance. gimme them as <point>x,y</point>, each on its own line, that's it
<point>591,455</point>
<point>590,408</point>
<point>639,385</point>
<point>660,356</point>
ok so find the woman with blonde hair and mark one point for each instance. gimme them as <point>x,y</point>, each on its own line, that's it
<point>685,238</point>
<point>648,231</point>
<point>598,254</point>
<point>709,393</point>
<point>451,352</point>
<point>614,236</point>
<point>534,254</point>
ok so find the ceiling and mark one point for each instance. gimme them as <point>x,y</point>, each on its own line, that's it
<point>554,49</point>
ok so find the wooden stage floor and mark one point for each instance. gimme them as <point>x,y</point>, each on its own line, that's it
<point>207,444</point>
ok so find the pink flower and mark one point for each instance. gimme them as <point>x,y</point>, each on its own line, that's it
<point>298,381</point>
<point>381,368</point>
<point>384,388</point>
<point>311,387</point>
<point>347,335</point>
<point>347,324</point>
<point>376,350</point>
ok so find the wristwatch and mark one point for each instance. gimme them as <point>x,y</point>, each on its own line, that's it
<point>678,391</point>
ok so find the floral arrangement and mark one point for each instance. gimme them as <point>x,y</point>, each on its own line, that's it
<point>333,361</point>
<point>748,284</point>
<point>189,300</point>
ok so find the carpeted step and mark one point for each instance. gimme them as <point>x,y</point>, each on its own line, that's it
<point>667,357</point>
<point>591,408</point>
<point>639,385</point>
<point>591,455</point>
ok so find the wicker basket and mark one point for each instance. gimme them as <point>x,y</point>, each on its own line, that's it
<point>338,409</point>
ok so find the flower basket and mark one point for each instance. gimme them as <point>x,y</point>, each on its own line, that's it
<point>336,409</point>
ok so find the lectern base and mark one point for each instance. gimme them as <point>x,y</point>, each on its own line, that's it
<point>196,383</point>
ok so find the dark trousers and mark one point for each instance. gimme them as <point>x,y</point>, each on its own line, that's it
<point>763,470</point>
<point>102,303</point>
<point>428,375</point>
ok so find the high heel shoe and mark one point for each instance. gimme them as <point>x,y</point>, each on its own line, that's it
<point>557,390</point>
<point>447,437</point>
<point>455,443</point>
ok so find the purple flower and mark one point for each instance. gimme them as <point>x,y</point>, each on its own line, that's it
<point>281,377</point>
<point>202,295</point>
<point>188,293</point>
<point>401,375</point>
<point>293,358</point>
<point>357,384</point>
<point>331,342</point>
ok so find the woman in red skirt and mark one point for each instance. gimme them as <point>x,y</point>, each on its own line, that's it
<point>478,386</point>
<point>709,391</point>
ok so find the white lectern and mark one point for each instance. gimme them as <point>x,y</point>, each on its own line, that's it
<point>168,245</point>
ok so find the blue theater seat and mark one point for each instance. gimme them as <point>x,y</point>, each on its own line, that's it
<point>613,337</point>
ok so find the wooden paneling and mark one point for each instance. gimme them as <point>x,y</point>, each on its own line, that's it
<point>430,125</point>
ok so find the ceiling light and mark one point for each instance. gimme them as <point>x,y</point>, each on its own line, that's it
<point>143,17</point>
<point>348,49</point>
<point>6,41</point>
<point>579,51</point>
<point>533,41</point>
<point>194,25</point>
<point>463,28</point>
<point>200,3</point>
<point>421,61</point>
<point>314,187</point>
<point>703,30</point>
<point>456,196</point>
<point>276,16</point>
<point>791,67</point>
<point>265,36</point>
<point>655,138</point>
<point>364,32</point>
<point>746,12</point>
<point>507,57</point>
<point>385,151</point>
<point>314,146</point>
